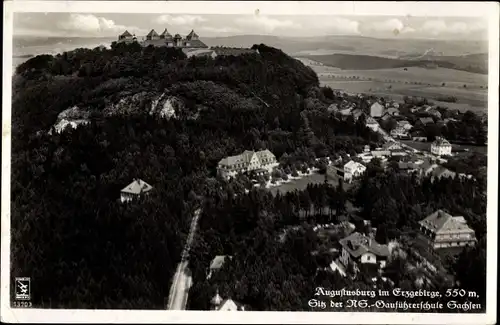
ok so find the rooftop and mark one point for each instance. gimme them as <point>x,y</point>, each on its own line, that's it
<point>441,142</point>
<point>441,221</point>
<point>358,244</point>
<point>218,261</point>
<point>138,186</point>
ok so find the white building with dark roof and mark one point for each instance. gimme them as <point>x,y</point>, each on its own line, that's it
<point>135,190</point>
<point>353,170</point>
<point>441,147</point>
<point>360,249</point>
<point>260,161</point>
<point>443,230</point>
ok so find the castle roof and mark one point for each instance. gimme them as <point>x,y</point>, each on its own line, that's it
<point>177,36</point>
<point>152,33</point>
<point>191,35</point>
<point>166,33</point>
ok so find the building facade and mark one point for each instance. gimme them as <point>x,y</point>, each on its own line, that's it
<point>361,249</point>
<point>372,124</point>
<point>353,170</point>
<point>441,147</point>
<point>248,161</point>
<point>377,110</point>
<point>192,40</point>
<point>135,190</point>
<point>443,230</point>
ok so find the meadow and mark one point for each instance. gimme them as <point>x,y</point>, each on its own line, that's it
<point>470,89</point>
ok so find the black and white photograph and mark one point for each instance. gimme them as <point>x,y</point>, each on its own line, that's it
<point>268,158</point>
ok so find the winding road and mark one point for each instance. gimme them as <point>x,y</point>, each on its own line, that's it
<point>182,279</point>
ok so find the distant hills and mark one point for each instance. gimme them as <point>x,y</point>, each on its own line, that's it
<point>475,63</point>
<point>345,52</point>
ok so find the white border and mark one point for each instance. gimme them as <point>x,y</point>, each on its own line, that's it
<point>428,9</point>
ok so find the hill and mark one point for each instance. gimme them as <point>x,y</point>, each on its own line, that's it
<point>476,63</point>
<point>148,113</point>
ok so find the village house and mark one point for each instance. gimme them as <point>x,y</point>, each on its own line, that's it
<point>361,249</point>
<point>441,147</point>
<point>135,190</point>
<point>372,124</point>
<point>259,162</point>
<point>434,112</point>
<point>386,117</point>
<point>346,112</point>
<point>386,150</point>
<point>353,170</point>
<point>400,133</point>
<point>405,125</point>
<point>393,111</point>
<point>443,230</point>
<point>217,264</point>
<point>356,113</point>
<point>423,121</point>
<point>219,304</point>
<point>377,110</point>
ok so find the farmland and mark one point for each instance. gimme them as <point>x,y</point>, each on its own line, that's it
<point>396,83</point>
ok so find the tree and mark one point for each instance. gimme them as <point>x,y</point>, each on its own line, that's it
<point>381,234</point>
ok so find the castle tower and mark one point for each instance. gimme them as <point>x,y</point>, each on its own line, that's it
<point>177,40</point>
<point>192,36</point>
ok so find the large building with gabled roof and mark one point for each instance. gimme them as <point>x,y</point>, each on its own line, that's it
<point>361,249</point>
<point>126,37</point>
<point>247,161</point>
<point>191,41</point>
<point>443,230</point>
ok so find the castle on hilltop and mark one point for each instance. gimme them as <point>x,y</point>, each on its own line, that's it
<point>192,40</point>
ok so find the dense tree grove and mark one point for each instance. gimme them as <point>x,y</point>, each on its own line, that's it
<point>67,221</point>
<point>273,266</point>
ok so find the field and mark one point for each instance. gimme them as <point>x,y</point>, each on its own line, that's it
<point>298,184</point>
<point>415,81</point>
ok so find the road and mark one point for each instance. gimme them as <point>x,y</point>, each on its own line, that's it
<point>182,280</point>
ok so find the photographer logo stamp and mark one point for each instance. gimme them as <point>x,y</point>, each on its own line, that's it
<point>23,288</point>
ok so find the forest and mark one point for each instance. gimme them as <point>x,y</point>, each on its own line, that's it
<point>66,219</point>
<point>274,273</point>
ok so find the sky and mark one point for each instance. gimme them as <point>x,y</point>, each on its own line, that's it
<point>110,25</point>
